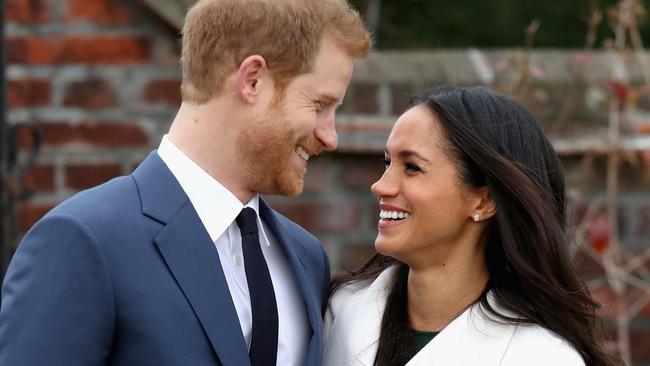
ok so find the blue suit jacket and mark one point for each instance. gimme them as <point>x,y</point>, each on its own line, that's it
<point>126,274</point>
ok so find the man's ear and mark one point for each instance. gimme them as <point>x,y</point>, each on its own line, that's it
<point>248,78</point>
<point>484,204</point>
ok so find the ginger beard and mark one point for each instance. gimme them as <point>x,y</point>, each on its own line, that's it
<point>267,147</point>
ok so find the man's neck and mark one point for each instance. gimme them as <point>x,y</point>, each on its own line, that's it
<point>206,135</point>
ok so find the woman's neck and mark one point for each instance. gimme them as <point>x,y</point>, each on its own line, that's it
<point>437,295</point>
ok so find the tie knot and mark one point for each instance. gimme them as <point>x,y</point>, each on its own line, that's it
<point>247,221</point>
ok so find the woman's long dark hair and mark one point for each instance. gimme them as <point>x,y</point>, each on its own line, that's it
<point>495,142</point>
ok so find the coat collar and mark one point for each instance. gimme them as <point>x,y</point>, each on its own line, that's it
<point>474,338</point>
<point>355,320</point>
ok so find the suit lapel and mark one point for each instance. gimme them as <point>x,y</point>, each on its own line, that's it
<point>192,258</point>
<point>293,250</point>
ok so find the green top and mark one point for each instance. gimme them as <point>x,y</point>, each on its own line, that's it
<point>421,338</point>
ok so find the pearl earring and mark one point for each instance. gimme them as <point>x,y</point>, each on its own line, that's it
<point>476,217</point>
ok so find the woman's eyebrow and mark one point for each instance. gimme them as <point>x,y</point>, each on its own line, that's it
<point>404,154</point>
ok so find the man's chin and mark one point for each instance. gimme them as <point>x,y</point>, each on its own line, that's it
<point>292,189</point>
<point>284,187</point>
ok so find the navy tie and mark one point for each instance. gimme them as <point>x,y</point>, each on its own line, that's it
<point>264,335</point>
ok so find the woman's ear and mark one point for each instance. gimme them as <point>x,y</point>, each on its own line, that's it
<point>484,206</point>
<point>248,77</point>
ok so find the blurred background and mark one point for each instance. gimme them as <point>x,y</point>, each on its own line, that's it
<point>90,86</point>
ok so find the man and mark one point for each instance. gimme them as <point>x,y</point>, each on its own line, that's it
<point>181,263</point>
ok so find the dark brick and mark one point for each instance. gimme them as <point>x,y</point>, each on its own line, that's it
<point>30,213</point>
<point>318,178</point>
<point>163,92</point>
<point>339,217</point>
<point>80,177</point>
<point>401,96</point>
<point>28,11</point>
<point>361,175</point>
<point>588,267</point>
<point>29,92</point>
<point>91,94</point>
<point>353,255</point>
<point>40,178</point>
<point>640,345</point>
<point>607,299</point>
<point>365,99</point>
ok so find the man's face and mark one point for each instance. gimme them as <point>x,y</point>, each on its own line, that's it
<point>297,124</point>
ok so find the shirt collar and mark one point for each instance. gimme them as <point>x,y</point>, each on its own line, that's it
<point>216,206</point>
<point>254,203</point>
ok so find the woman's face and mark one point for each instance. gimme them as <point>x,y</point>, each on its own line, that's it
<point>425,208</point>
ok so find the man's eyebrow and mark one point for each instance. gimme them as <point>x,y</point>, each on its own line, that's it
<point>329,98</point>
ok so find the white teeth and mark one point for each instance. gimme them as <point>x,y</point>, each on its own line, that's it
<point>384,214</point>
<point>302,153</point>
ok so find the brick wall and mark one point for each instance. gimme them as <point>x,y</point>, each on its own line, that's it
<point>100,79</point>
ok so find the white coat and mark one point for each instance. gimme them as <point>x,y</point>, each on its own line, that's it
<point>353,320</point>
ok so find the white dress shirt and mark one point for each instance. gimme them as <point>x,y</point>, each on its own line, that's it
<point>217,208</point>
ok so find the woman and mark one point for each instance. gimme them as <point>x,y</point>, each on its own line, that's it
<point>473,267</point>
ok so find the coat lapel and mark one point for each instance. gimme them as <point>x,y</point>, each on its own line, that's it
<point>192,258</point>
<point>471,339</point>
<point>354,329</point>
<point>354,322</point>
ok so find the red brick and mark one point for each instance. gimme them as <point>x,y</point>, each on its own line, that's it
<point>113,50</point>
<point>86,176</point>
<point>322,217</point>
<point>98,134</point>
<point>113,135</point>
<point>30,213</point>
<point>163,92</point>
<point>109,12</point>
<point>362,174</point>
<point>354,255</point>
<point>365,98</point>
<point>29,92</point>
<point>91,94</point>
<point>23,138</point>
<point>40,178</point>
<point>15,49</point>
<point>28,11</point>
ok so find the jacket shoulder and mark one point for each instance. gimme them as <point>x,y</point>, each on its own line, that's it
<point>104,199</point>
